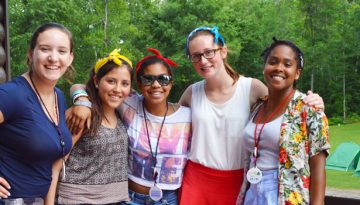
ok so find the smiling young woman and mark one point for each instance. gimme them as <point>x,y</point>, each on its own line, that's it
<point>286,141</point>
<point>33,132</point>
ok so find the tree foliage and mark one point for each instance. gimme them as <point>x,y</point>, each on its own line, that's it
<point>328,31</point>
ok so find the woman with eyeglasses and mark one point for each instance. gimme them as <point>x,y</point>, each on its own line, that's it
<point>159,134</point>
<point>220,107</point>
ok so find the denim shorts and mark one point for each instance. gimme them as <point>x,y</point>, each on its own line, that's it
<point>265,192</point>
<point>170,197</point>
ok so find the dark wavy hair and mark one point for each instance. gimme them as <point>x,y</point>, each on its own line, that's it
<point>298,53</point>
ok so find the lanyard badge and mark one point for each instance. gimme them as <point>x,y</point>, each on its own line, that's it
<point>254,174</point>
<point>155,192</point>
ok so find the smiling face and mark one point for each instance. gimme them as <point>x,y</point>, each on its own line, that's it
<point>207,68</point>
<point>155,94</point>
<point>114,87</point>
<point>51,55</point>
<point>280,69</point>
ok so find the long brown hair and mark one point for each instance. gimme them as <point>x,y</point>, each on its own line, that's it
<point>97,112</point>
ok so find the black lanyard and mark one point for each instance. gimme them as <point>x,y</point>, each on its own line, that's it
<point>154,155</point>
<point>57,127</point>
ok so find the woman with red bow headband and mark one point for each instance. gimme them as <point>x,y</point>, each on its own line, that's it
<point>159,133</point>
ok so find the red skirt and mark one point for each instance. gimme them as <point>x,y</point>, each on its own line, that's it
<point>205,186</point>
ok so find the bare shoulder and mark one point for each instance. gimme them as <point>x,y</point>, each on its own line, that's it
<point>258,89</point>
<point>185,99</point>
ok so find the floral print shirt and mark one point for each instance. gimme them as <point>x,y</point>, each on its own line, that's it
<point>304,132</point>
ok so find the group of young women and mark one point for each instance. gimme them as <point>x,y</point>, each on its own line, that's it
<point>141,149</point>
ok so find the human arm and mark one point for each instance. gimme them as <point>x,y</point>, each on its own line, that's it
<point>258,90</point>
<point>78,116</point>
<point>185,99</point>
<point>56,169</point>
<point>245,184</point>
<point>317,128</point>
<point>50,196</point>
<point>317,179</point>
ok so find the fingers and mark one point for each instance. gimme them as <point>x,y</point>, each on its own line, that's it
<point>88,123</point>
<point>4,186</point>
<point>315,100</point>
<point>78,125</point>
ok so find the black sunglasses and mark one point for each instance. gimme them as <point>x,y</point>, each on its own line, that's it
<point>148,80</point>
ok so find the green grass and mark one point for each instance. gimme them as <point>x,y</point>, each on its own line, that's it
<point>339,134</point>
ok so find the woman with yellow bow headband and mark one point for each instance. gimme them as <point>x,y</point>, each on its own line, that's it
<point>96,169</point>
<point>158,131</point>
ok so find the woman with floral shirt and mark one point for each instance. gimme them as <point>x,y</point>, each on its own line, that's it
<point>286,141</point>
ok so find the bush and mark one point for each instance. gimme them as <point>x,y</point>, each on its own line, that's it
<point>336,120</point>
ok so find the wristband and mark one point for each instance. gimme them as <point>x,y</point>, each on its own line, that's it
<point>78,92</point>
<point>83,103</point>
<point>75,97</point>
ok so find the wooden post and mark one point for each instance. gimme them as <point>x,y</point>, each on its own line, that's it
<point>4,43</point>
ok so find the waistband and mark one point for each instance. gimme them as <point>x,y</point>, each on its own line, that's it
<point>270,174</point>
<point>23,201</point>
<point>214,172</point>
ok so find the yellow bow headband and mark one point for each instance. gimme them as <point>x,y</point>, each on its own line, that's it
<point>115,57</point>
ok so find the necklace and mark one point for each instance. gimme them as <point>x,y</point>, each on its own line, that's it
<point>257,139</point>
<point>254,174</point>
<point>61,139</point>
<point>155,192</point>
<point>159,135</point>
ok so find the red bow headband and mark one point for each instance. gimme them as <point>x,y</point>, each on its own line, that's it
<point>158,55</point>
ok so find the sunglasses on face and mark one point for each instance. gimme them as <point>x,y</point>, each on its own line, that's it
<point>148,80</point>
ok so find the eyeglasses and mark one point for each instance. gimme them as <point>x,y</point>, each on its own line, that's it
<point>148,80</point>
<point>208,54</point>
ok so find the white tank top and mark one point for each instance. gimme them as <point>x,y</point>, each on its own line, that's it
<point>216,140</point>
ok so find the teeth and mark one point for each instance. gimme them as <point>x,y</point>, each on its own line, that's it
<point>115,97</point>
<point>278,77</point>
<point>52,67</point>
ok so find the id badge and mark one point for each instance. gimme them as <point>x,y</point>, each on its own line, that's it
<point>155,193</point>
<point>254,175</point>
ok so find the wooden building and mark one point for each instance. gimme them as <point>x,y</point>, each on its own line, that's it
<point>4,43</point>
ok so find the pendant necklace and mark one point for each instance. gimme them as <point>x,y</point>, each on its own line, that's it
<point>155,192</point>
<point>61,139</point>
<point>254,174</point>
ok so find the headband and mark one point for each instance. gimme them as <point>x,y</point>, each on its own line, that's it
<point>157,55</point>
<point>115,57</point>
<point>213,30</point>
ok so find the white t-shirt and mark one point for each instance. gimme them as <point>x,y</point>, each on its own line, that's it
<point>172,149</point>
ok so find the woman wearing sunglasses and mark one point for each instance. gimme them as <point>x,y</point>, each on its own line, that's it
<point>158,131</point>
